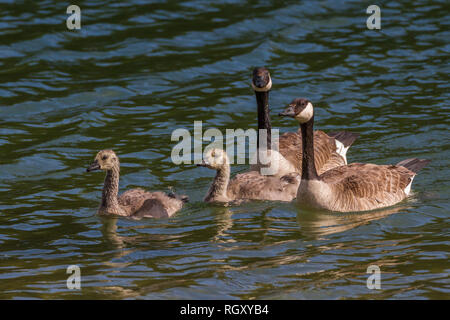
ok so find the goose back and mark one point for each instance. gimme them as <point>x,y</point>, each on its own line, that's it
<point>357,187</point>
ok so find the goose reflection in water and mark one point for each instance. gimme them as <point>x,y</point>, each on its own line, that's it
<point>322,223</point>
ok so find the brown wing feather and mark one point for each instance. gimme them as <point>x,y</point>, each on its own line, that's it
<point>153,208</point>
<point>367,186</point>
<point>326,158</point>
<point>136,203</point>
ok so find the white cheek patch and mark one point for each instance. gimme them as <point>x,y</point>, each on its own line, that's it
<point>306,114</point>
<point>264,89</point>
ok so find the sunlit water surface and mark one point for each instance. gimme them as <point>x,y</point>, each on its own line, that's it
<point>137,71</point>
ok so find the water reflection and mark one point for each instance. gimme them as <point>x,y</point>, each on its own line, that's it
<point>109,232</point>
<point>322,223</point>
<point>224,222</point>
<point>136,71</point>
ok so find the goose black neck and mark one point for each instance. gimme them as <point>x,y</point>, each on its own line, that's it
<point>262,100</point>
<point>309,171</point>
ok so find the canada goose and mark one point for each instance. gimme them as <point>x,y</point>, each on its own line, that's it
<point>331,149</point>
<point>245,186</point>
<point>135,203</point>
<point>348,188</point>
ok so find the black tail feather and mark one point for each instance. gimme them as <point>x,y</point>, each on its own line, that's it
<point>347,138</point>
<point>413,164</point>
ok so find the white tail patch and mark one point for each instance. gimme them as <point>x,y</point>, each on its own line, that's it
<point>341,150</point>
<point>407,190</point>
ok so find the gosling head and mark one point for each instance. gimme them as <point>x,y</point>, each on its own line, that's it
<point>214,159</point>
<point>300,109</point>
<point>261,81</point>
<point>104,160</point>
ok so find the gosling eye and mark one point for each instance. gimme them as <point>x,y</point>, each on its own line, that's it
<point>104,157</point>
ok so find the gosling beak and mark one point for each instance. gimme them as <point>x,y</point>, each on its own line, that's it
<point>93,166</point>
<point>202,164</point>
<point>288,112</point>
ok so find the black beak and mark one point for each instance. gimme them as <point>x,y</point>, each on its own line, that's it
<point>288,112</point>
<point>259,82</point>
<point>93,166</point>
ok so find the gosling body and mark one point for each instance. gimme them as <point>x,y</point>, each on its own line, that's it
<point>134,203</point>
<point>246,186</point>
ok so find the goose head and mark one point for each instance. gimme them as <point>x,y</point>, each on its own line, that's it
<point>300,109</point>
<point>104,160</point>
<point>261,81</point>
<point>214,159</point>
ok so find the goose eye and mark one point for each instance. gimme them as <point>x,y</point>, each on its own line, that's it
<point>104,157</point>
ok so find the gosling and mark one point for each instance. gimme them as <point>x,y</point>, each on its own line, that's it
<point>135,203</point>
<point>246,186</point>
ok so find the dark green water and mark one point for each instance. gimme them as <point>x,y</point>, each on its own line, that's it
<point>136,71</point>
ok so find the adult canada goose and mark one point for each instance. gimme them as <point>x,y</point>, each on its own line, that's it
<point>246,186</point>
<point>353,187</point>
<point>135,203</point>
<point>331,149</point>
